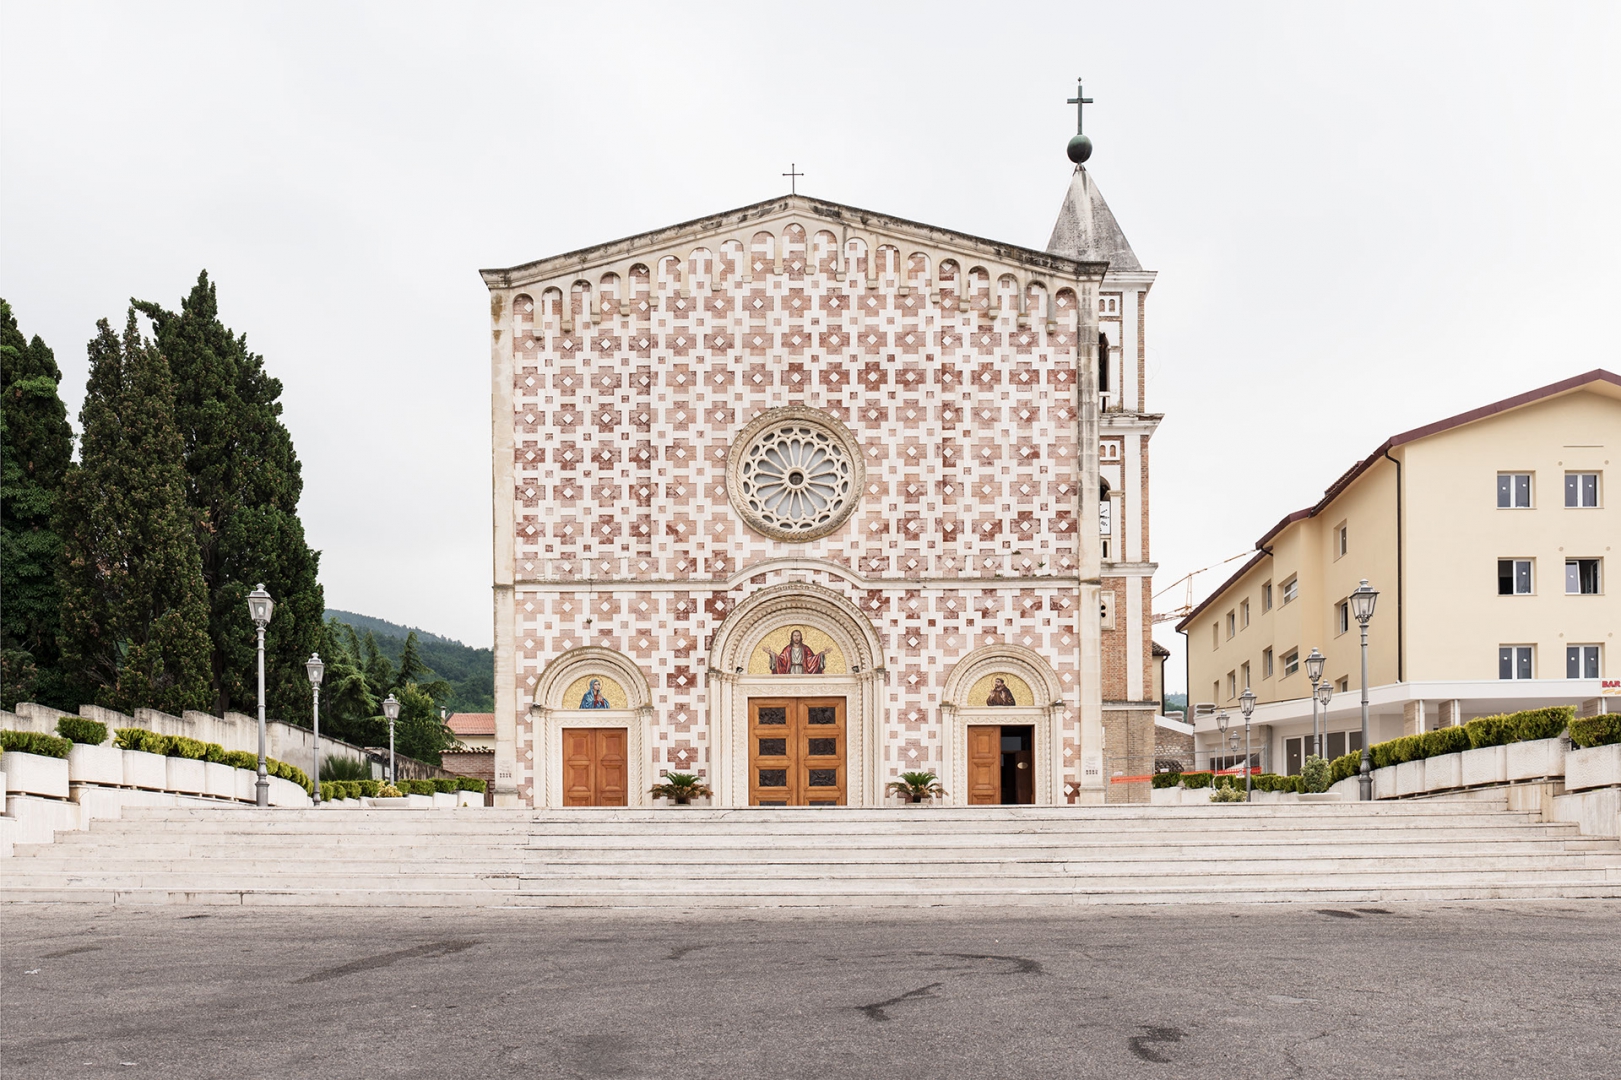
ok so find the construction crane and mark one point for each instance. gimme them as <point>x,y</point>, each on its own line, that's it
<point>1186,581</point>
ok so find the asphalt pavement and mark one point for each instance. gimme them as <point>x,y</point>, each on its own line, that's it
<point>1400,990</point>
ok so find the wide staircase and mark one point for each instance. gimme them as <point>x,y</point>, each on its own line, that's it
<point>697,858</point>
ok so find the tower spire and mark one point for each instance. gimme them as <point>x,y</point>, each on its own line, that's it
<point>1080,147</point>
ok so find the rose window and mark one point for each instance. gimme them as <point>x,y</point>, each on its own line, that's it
<point>795,477</point>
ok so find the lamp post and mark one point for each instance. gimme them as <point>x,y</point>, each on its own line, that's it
<point>391,709</point>
<point>1314,672</point>
<point>1362,601</point>
<point>1246,703</point>
<point>316,670</point>
<point>1323,693</point>
<point>1221,728</point>
<point>260,608</point>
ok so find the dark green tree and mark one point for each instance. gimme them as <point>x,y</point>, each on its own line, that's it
<point>36,447</point>
<point>243,482</point>
<point>420,732</point>
<point>134,613</point>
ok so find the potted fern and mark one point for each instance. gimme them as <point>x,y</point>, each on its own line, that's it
<point>680,789</point>
<point>914,787</point>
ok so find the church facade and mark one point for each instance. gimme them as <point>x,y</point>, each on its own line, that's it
<point>800,497</point>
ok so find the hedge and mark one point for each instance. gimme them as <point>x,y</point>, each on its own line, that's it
<point>34,742</point>
<point>1596,731</point>
<point>79,730</point>
<point>150,742</point>
<point>1344,767</point>
<point>1482,732</point>
<point>350,789</point>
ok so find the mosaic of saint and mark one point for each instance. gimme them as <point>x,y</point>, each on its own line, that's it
<point>1001,691</point>
<point>594,692</point>
<point>797,650</point>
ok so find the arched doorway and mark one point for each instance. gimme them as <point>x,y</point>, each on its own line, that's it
<point>994,700</point>
<point>593,712</point>
<point>795,701</point>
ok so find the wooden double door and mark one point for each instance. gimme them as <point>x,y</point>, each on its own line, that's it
<point>1001,764</point>
<point>595,767</point>
<point>797,751</point>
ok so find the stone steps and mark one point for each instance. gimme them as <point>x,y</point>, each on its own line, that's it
<point>757,857</point>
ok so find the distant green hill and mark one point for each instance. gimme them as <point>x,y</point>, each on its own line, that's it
<point>470,672</point>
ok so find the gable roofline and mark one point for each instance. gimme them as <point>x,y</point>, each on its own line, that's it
<point>585,258</point>
<point>1349,477</point>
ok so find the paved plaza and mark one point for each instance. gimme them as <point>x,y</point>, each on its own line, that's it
<point>1395,990</point>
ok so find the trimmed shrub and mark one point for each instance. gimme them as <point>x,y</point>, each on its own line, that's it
<point>240,759</point>
<point>78,729</point>
<point>34,742</point>
<point>1161,779</point>
<point>1314,775</point>
<point>1344,767</point>
<point>193,749</point>
<point>1196,779</point>
<point>135,738</point>
<point>1596,731</point>
<point>1549,723</point>
<point>470,783</point>
<point>368,788</point>
<point>287,772</point>
<point>1447,740</point>
<point>444,785</point>
<point>1396,751</point>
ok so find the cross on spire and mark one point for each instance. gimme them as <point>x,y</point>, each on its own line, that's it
<point>1080,103</point>
<point>793,178</point>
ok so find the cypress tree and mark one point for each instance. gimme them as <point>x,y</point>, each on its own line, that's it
<point>134,613</point>
<point>36,447</point>
<point>243,482</point>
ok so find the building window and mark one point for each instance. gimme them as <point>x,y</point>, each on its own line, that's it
<point>1215,635</point>
<point>1291,589</point>
<point>1581,489</point>
<point>1342,542</point>
<point>1581,662</point>
<point>1513,577</point>
<point>1244,615</point>
<point>1104,517</point>
<point>1339,743</point>
<point>1514,662</point>
<point>1266,663</point>
<point>1232,622</point>
<point>1291,662</point>
<point>1215,691</point>
<point>1581,577</point>
<point>1244,672</point>
<point>1513,491</point>
<point>1345,685</point>
<point>1342,617</point>
<point>1266,598</point>
<point>1232,685</point>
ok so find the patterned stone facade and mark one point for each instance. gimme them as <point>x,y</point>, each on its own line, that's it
<point>964,370</point>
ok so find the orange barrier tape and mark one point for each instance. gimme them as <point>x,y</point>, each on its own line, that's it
<point>1131,779</point>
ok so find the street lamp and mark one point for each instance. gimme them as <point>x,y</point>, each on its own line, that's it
<point>1362,601</point>
<point>1221,730</point>
<point>1324,691</point>
<point>1314,672</point>
<point>1246,702</point>
<point>391,709</point>
<point>316,670</point>
<point>260,608</point>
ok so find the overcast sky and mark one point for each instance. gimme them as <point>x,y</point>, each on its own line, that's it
<point>1364,216</point>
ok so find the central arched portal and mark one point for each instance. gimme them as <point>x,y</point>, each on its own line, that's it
<point>796,701</point>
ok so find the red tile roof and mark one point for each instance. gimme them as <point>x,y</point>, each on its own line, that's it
<point>473,723</point>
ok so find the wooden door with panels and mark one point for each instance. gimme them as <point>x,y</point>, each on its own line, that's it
<point>1001,765</point>
<point>595,767</point>
<point>797,752</point>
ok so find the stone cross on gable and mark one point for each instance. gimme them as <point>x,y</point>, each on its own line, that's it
<point>793,178</point>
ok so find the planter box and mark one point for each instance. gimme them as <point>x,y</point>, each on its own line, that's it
<point>287,793</point>
<point>1410,778</point>
<point>1444,772</point>
<point>219,780</point>
<point>1597,766</point>
<point>1266,796</point>
<point>1346,789</point>
<point>469,798</point>
<point>1384,783</point>
<point>1535,759</point>
<point>1166,796</point>
<point>1318,796</point>
<point>246,779</point>
<point>444,799</point>
<point>143,770</point>
<point>401,803</point>
<point>33,774</point>
<point>95,765</point>
<point>1488,765</point>
<point>186,776</point>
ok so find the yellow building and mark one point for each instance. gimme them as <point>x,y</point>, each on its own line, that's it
<point>1489,539</point>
